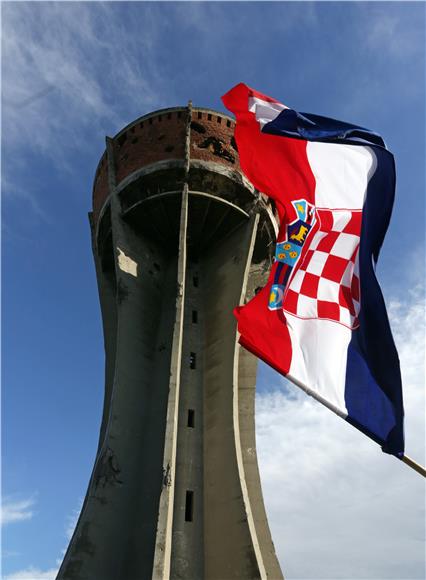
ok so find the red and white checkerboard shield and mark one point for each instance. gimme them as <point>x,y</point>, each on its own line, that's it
<point>325,280</point>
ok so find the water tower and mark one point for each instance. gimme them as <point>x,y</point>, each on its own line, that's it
<point>180,237</point>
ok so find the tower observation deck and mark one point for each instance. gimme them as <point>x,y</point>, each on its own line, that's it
<point>180,237</point>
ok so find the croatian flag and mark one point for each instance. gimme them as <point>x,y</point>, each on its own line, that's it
<point>321,320</point>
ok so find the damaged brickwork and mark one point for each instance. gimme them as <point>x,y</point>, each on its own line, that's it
<point>159,136</point>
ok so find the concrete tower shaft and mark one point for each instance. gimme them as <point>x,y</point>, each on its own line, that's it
<point>179,238</point>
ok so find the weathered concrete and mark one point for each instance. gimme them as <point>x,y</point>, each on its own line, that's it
<point>175,490</point>
<point>234,553</point>
<point>163,542</point>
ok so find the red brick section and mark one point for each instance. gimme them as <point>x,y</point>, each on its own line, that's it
<point>162,137</point>
<point>215,144</point>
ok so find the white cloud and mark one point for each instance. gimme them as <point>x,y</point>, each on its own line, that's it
<point>32,573</point>
<point>16,510</point>
<point>338,507</point>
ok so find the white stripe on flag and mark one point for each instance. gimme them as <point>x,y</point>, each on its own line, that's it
<point>341,173</point>
<point>319,357</point>
<point>264,110</point>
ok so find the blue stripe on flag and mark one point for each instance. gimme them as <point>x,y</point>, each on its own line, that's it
<point>373,392</point>
<point>290,123</point>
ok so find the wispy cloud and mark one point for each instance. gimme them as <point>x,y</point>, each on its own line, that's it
<point>18,191</point>
<point>396,33</point>
<point>85,73</point>
<point>16,510</point>
<point>329,490</point>
<point>72,73</point>
<point>32,573</point>
<point>382,67</point>
<point>10,553</point>
<point>72,520</point>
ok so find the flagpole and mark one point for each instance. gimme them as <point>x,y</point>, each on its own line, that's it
<point>405,459</point>
<point>414,465</point>
<point>315,396</point>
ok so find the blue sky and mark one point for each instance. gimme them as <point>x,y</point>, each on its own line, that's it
<point>75,72</point>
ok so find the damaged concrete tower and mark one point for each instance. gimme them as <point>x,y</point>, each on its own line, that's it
<point>180,237</point>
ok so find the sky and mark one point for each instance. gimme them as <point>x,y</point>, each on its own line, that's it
<point>74,72</point>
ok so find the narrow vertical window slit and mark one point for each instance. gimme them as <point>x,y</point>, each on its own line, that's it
<point>189,506</point>
<point>191,418</point>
